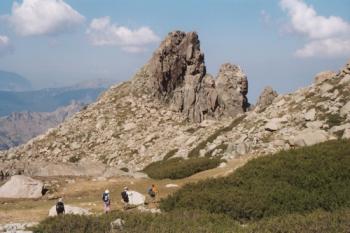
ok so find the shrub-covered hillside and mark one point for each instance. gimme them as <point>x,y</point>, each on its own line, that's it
<point>294,181</point>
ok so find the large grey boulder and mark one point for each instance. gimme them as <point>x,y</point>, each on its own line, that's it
<point>308,137</point>
<point>345,110</point>
<point>69,210</point>
<point>21,187</point>
<point>136,198</point>
<point>265,99</point>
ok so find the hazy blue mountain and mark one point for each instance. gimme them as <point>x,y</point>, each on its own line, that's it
<point>13,82</point>
<point>45,100</point>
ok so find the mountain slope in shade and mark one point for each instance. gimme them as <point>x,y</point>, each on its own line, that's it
<point>18,128</point>
<point>13,82</point>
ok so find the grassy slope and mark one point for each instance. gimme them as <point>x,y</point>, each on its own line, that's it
<point>295,181</point>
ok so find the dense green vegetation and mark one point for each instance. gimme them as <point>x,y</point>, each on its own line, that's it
<point>198,221</point>
<point>294,181</point>
<point>178,168</point>
<point>194,221</point>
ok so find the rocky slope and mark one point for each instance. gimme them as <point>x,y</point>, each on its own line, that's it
<point>173,107</point>
<point>20,127</point>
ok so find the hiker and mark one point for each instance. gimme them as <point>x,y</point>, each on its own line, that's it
<point>2,175</point>
<point>125,197</point>
<point>153,192</point>
<point>60,207</point>
<point>106,201</point>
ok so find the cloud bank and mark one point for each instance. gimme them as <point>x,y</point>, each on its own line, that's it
<point>102,32</point>
<point>43,17</point>
<point>327,36</point>
<point>5,45</point>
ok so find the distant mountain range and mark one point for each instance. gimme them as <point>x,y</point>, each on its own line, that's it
<point>17,95</point>
<point>20,127</point>
<point>13,82</point>
<point>46,100</point>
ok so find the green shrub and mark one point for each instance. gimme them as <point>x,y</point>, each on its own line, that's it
<point>197,221</point>
<point>294,181</point>
<point>175,222</point>
<point>74,159</point>
<point>178,168</point>
<point>317,222</point>
<point>334,119</point>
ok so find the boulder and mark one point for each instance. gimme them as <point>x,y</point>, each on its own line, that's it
<point>323,76</point>
<point>171,186</point>
<point>314,124</point>
<point>345,110</point>
<point>117,224</point>
<point>265,99</point>
<point>69,210</point>
<point>274,124</point>
<point>346,134</point>
<point>21,187</point>
<point>308,137</point>
<point>136,198</point>
<point>242,148</point>
<point>310,115</point>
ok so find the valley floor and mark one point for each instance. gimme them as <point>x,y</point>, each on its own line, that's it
<point>86,193</point>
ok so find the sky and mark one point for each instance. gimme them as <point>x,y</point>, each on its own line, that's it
<point>280,43</point>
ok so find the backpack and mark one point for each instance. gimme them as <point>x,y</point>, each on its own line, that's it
<point>59,207</point>
<point>125,196</point>
<point>151,192</point>
<point>105,197</point>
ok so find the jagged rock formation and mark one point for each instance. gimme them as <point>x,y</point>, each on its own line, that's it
<point>176,74</point>
<point>143,120</point>
<point>20,127</point>
<point>265,99</point>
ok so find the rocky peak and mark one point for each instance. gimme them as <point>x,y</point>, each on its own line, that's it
<point>176,75</point>
<point>265,99</point>
<point>232,86</point>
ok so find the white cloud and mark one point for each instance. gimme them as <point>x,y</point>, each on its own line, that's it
<point>5,45</point>
<point>327,47</point>
<point>304,19</point>
<point>327,36</point>
<point>102,32</point>
<point>43,17</point>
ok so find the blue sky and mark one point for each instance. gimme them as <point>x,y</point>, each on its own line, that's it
<point>281,43</point>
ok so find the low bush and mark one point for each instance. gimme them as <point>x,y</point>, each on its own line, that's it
<point>317,222</point>
<point>197,221</point>
<point>178,168</point>
<point>295,181</point>
<point>181,222</point>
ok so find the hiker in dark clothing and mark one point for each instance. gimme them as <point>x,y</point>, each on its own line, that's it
<point>2,175</point>
<point>60,207</point>
<point>106,201</point>
<point>125,197</point>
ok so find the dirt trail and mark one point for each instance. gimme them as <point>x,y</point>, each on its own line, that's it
<point>86,193</point>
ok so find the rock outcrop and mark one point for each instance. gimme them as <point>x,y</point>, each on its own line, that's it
<point>21,187</point>
<point>265,99</point>
<point>176,74</point>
